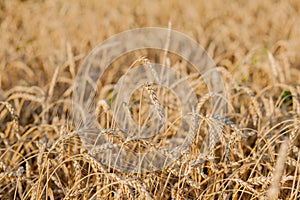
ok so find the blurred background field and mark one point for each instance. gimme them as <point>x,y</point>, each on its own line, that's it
<point>255,44</point>
<point>38,33</point>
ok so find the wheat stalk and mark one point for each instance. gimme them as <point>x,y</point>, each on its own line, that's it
<point>274,189</point>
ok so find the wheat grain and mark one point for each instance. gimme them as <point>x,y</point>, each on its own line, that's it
<point>15,117</point>
<point>154,100</point>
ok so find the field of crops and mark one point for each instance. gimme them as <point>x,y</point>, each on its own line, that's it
<point>241,140</point>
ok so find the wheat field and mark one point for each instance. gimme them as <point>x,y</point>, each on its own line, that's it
<point>255,46</point>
